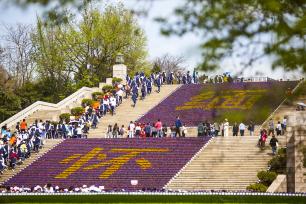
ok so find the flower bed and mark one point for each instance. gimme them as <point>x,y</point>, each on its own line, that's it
<point>238,102</point>
<point>111,163</point>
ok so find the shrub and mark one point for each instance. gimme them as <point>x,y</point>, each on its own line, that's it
<point>107,88</point>
<point>257,187</point>
<point>77,111</point>
<point>87,101</point>
<point>65,117</point>
<point>97,95</point>
<point>116,80</point>
<point>281,151</point>
<point>278,164</point>
<point>266,177</point>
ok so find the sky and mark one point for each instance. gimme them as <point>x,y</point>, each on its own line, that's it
<point>158,45</point>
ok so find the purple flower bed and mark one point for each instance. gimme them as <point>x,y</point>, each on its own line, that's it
<point>268,95</point>
<point>176,152</point>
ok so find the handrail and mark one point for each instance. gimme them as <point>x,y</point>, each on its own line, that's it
<point>271,115</point>
<point>41,105</point>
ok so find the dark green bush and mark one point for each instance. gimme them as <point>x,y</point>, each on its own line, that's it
<point>107,88</point>
<point>266,177</point>
<point>97,95</point>
<point>281,151</point>
<point>77,111</point>
<point>87,101</point>
<point>116,80</point>
<point>257,187</point>
<point>278,164</point>
<point>65,117</point>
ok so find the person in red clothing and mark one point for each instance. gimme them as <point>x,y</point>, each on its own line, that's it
<point>23,125</point>
<point>13,158</point>
<point>158,126</point>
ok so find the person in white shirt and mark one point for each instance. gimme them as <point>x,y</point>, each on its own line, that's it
<point>131,129</point>
<point>113,104</point>
<point>106,105</point>
<point>241,129</point>
<point>79,131</point>
<point>120,95</point>
<point>226,128</point>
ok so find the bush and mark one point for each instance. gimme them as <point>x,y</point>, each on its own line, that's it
<point>116,80</point>
<point>257,187</point>
<point>281,151</point>
<point>77,111</point>
<point>97,95</point>
<point>107,88</point>
<point>278,164</point>
<point>87,101</point>
<point>65,117</point>
<point>266,177</point>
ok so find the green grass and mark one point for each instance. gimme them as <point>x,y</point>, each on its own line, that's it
<point>107,198</point>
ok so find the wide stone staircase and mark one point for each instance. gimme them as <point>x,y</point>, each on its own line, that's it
<point>227,163</point>
<point>126,113</point>
<point>50,144</point>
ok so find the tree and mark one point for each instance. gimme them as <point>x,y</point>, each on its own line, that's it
<point>17,53</point>
<point>85,50</point>
<point>9,103</point>
<point>251,28</point>
<point>168,63</point>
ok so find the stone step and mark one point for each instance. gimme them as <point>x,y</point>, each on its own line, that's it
<point>49,144</point>
<point>125,113</point>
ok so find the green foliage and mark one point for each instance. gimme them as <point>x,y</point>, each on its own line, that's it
<point>65,117</point>
<point>107,88</point>
<point>278,163</point>
<point>257,187</point>
<point>156,68</point>
<point>266,177</point>
<point>87,101</point>
<point>10,104</point>
<point>116,80</point>
<point>237,27</point>
<point>97,95</point>
<point>77,111</point>
<point>151,198</point>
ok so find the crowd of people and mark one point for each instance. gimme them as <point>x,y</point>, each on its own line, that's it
<point>222,129</point>
<point>141,130</point>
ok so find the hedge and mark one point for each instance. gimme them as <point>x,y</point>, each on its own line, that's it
<point>116,198</point>
<point>257,187</point>
<point>97,95</point>
<point>107,88</point>
<point>65,117</point>
<point>116,80</point>
<point>279,162</point>
<point>266,177</point>
<point>87,101</point>
<point>77,111</point>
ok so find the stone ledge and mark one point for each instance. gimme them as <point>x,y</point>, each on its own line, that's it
<point>279,184</point>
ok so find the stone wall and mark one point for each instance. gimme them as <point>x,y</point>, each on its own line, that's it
<point>296,136</point>
<point>279,185</point>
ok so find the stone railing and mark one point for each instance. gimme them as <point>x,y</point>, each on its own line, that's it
<point>272,114</point>
<point>279,184</point>
<point>67,103</point>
